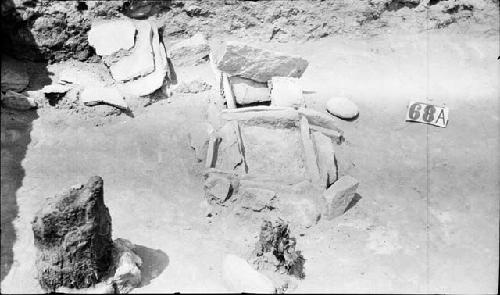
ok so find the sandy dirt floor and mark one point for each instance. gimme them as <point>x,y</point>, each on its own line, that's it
<point>428,216</point>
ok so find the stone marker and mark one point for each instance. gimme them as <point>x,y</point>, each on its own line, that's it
<point>247,91</point>
<point>286,92</point>
<point>260,65</point>
<point>72,234</point>
<point>326,158</point>
<point>91,96</point>
<point>141,61</point>
<point>110,36</point>
<point>342,107</point>
<point>14,75</point>
<point>241,277</point>
<point>190,51</point>
<point>18,101</point>
<point>153,80</point>
<point>338,196</point>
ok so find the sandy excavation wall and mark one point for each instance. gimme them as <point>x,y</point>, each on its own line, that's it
<point>59,28</point>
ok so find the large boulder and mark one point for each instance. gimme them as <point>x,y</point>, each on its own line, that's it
<point>110,36</point>
<point>72,234</point>
<point>260,65</point>
<point>14,75</point>
<point>190,51</point>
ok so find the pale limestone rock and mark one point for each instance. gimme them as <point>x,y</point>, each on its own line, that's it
<point>241,277</point>
<point>155,80</point>
<point>338,196</point>
<point>247,91</point>
<point>141,61</point>
<point>18,101</point>
<point>286,92</point>
<point>190,51</point>
<point>326,158</point>
<point>260,65</point>
<point>56,88</point>
<point>91,96</point>
<point>342,107</point>
<point>109,37</point>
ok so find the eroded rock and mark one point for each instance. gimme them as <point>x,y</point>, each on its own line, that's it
<point>72,234</point>
<point>260,65</point>
<point>191,51</point>
<point>18,101</point>
<point>14,75</point>
<point>338,196</point>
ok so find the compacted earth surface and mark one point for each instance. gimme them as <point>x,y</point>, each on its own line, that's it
<point>427,214</point>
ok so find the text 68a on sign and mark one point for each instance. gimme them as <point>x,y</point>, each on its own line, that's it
<point>427,113</point>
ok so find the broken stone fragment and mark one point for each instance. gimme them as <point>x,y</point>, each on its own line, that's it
<point>326,158</point>
<point>218,189</point>
<point>109,37</point>
<point>91,96</point>
<point>240,277</point>
<point>156,77</point>
<point>342,107</point>
<point>247,91</point>
<point>14,75</point>
<point>338,196</point>
<point>260,65</point>
<point>190,51</point>
<point>56,89</point>
<point>257,199</point>
<point>72,234</point>
<point>286,92</point>
<point>18,101</point>
<point>141,60</point>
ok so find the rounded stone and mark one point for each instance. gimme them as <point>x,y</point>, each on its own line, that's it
<point>342,107</point>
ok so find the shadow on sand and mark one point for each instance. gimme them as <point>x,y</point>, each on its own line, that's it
<point>154,263</point>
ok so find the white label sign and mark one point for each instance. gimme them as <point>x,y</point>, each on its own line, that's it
<point>427,113</point>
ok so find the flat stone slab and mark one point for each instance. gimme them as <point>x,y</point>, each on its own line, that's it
<point>338,196</point>
<point>247,91</point>
<point>109,37</point>
<point>91,96</point>
<point>154,80</point>
<point>141,61</point>
<point>260,65</point>
<point>286,92</point>
<point>342,107</point>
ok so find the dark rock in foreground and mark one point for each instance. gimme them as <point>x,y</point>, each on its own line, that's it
<point>73,237</point>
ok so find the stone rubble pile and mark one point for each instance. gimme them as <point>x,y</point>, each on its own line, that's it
<point>75,250</point>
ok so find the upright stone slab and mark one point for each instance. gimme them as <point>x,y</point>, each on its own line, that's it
<point>72,234</point>
<point>286,92</point>
<point>326,158</point>
<point>110,36</point>
<point>14,75</point>
<point>190,51</point>
<point>338,196</point>
<point>247,91</point>
<point>260,65</point>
